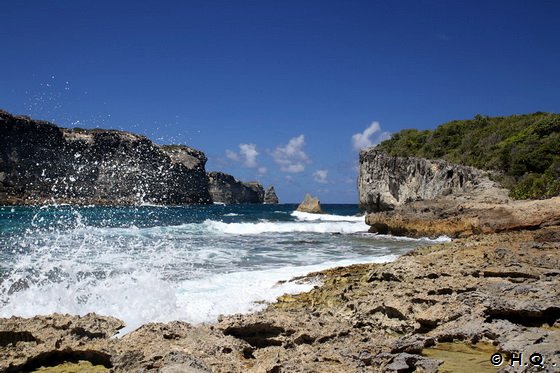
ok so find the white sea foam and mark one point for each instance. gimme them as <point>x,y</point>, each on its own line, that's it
<point>142,297</point>
<point>439,239</point>
<point>231,214</point>
<point>192,272</point>
<point>205,299</point>
<point>286,227</point>
<point>305,216</point>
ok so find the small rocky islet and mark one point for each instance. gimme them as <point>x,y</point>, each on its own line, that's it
<point>494,291</point>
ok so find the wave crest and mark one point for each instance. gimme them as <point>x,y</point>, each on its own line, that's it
<point>286,227</point>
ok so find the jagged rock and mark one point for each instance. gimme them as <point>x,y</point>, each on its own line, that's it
<point>43,163</point>
<point>270,197</point>
<point>226,189</point>
<point>418,197</point>
<point>311,205</point>
<point>404,362</point>
<point>386,182</point>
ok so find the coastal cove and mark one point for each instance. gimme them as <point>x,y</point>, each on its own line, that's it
<point>118,253</point>
<point>280,187</point>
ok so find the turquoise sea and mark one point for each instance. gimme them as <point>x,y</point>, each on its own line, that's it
<point>191,263</point>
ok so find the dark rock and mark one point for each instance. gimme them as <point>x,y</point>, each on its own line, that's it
<point>43,163</point>
<point>226,189</point>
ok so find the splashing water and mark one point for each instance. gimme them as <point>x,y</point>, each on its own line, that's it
<point>150,263</point>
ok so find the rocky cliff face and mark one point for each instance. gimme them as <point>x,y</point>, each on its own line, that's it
<point>386,182</point>
<point>270,197</point>
<point>40,162</point>
<point>226,189</point>
<point>420,197</point>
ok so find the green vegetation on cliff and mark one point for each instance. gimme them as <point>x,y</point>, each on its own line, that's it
<point>525,149</point>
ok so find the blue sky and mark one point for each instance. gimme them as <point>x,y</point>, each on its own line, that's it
<point>283,92</point>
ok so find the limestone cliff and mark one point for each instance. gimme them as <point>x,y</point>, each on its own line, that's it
<point>419,197</point>
<point>386,182</point>
<point>41,162</point>
<point>226,189</point>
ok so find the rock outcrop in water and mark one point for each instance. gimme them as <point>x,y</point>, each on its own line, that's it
<point>43,163</point>
<point>226,189</point>
<point>270,197</point>
<point>311,205</point>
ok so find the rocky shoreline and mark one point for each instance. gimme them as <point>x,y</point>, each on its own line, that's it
<point>492,293</point>
<point>457,303</point>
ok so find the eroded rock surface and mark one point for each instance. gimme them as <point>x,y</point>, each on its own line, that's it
<point>418,197</point>
<point>311,205</point>
<point>500,290</point>
<point>464,215</point>
<point>270,197</point>
<point>226,189</point>
<point>42,163</point>
<point>386,182</point>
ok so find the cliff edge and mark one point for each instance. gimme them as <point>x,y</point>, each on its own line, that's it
<point>386,182</point>
<point>464,177</point>
<point>226,189</point>
<point>43,163</point>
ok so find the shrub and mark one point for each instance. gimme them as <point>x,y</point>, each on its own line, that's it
<point>524,148</point>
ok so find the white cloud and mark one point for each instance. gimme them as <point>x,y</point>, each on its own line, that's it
<point>370,137</point>
<point>262,171</point>
<point>291,158</point>
<point>247,154</point>
<point>232,155</point>
<point>321,176</point>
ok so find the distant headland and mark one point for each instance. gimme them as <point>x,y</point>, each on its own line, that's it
<point>43,163</point>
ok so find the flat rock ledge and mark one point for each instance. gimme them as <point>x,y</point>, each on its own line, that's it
<point>495,293</point>
<point>464,215</point>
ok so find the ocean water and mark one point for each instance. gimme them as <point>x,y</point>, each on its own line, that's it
<point>157,264</point>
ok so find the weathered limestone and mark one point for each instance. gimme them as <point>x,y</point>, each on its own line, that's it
<point>386,182</point>
<point>461,216</point>
<point>311,205</point>
<point>418,197</point>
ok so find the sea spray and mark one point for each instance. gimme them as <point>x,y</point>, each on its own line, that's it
<point>153,263</point>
